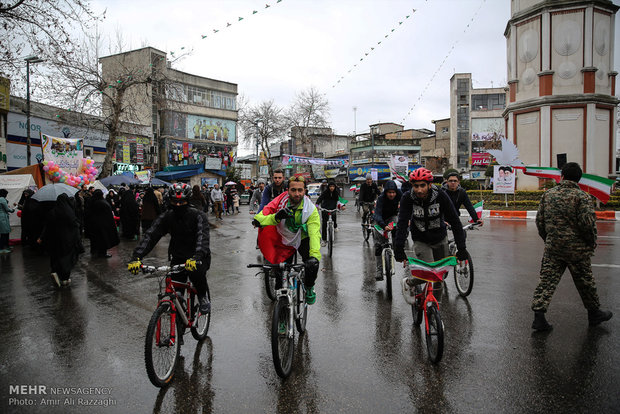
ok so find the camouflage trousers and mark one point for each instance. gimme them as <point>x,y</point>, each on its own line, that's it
<point>551,270</point>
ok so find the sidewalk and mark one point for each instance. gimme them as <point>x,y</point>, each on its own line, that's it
<point>531,214</point>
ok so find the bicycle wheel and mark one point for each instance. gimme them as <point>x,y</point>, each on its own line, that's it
<point>464,277</point>
<point>302,308</point>
<point>387,271</point>
<point>330,238</point>
<point>201,322</point>
<point>434,334</point>
<point>282,343</point>
<point>161,350</point>
<point>416,308</point>
<point>270,283</point>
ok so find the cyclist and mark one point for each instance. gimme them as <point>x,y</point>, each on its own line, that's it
<point>291,223</point>
<point>386,212</point>
<point>328,200</point>
<point>189,242</point>
<point>368,194</point>
<point>277,187</point>
<point>427,208</point>
<point>459,196</point>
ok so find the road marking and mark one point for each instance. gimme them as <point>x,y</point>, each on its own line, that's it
<point>615,266</point>
<point>609,237</point>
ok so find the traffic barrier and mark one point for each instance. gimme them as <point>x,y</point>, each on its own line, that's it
<point>600,215</point>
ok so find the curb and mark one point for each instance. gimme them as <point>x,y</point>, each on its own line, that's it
<point>531,214</point>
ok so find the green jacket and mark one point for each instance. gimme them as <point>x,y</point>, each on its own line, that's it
<point>5,225</point>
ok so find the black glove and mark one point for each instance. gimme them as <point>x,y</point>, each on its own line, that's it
<point>255,223</point>
<point>399,255</point>
<point>462,254</point>
<point>284,214</point>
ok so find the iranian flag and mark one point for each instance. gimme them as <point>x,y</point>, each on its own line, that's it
<point>599,187</point>
<point>478,207</point>
<point>433,271</point>
<point>341,203</point>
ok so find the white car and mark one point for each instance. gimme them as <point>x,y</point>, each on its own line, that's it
<point>313,190</point>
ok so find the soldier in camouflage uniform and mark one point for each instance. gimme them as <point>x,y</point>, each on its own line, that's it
<point>567,223</point>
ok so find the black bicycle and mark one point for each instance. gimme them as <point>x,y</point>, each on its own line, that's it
<point>464,271</point>
<point>367,221</point>
<point>290,309</point>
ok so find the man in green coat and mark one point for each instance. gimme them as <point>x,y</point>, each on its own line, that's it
<point>5,226</point>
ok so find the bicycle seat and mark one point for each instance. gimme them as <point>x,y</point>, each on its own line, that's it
<point>431,271</point>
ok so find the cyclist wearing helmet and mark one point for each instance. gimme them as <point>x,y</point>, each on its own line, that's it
<point>368,194</point>
<point>427,208</point>
<point>189,241</point>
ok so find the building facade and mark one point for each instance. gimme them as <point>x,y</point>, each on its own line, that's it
<point>562,84</point>
<point>192,119</point>
<point>435,149</point>
<point>476,122</point>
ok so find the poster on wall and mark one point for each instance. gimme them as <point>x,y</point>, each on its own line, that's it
<point>400,163</point>
<point>503,179</point>
<point>65,152</point>
<point>214,129</point>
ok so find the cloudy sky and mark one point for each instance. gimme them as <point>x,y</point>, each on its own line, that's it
<point>294,44</point>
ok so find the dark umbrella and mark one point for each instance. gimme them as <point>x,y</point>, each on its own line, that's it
<point>118,180</point>
<point>50,192</point>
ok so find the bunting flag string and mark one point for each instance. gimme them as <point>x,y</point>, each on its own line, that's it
<point>428,84</point>
<point>371,49</point>
<point>211,32</point>
<point>288,159</point>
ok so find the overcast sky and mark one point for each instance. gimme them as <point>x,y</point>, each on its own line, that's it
<point>295,44</point>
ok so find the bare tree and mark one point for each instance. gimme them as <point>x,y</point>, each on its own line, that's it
<point>265,122</point>
<point>121,97</point>
<point>309,110</point>
<point>34,27</point>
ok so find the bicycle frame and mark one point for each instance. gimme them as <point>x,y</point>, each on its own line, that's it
<point>387,234</point>
<point>428,298</point>
<point>452,243</point>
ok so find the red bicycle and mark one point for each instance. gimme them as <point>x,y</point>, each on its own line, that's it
<point>175,313</point>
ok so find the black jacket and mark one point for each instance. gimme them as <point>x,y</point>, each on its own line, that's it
<point>385,207</point>
<point>328,200</point>
<point>459,197</point>
<point>368,193</point>
<point>428,219</point>
<point>189,236</point>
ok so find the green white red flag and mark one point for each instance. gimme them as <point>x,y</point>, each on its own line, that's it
<point>433,271</point>
<point>479,206</point>
<point>599,187</point>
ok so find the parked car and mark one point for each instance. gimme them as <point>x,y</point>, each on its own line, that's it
<point>313,190</point>
<point>244,198</point>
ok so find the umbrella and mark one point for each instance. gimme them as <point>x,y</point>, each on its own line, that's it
<point>360,178</point>
<point>118,180</point>
<point>231,183</point>
<point>157,181</point>
<point>50,192</point>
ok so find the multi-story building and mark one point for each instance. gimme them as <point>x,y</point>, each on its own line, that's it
<point>192,119</point>
<point>562,84</point>
<point>374,149</point>
<point>476,122</point>
<point>435,149</point>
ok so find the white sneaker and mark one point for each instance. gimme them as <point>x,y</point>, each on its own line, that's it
<point>408,291</point>
<point>56,279</point>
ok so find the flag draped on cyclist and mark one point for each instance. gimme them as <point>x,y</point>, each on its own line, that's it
<point>278,242</point>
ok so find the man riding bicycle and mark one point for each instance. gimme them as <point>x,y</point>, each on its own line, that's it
<point>427,208</point>
<point>290,223</point>
<point>189,242</point>
<point>386,213</point>
<point>277,187</point>
<point>368,194</point>
<point>328,200</point>
<point>459,196</point>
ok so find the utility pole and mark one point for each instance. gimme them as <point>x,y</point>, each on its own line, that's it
<point>29,60</point>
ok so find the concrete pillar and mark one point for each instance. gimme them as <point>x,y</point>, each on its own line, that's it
<point>545,39</point>
<point>589,159</point>
<point>545,137</point>
<point>588,36</point>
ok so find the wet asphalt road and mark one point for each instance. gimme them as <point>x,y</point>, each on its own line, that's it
<point>360,354</point>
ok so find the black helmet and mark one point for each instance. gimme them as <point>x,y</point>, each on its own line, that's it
<point>179,192</point>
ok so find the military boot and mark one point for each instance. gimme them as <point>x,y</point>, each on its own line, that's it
<point>596,316</point>
<point>379,275</point>
<point>540,322</point>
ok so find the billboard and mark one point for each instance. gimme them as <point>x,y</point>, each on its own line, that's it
<point>65,152</point>
<point>214,129</point>
<point>503,179</point>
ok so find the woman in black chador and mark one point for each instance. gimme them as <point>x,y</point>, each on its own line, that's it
<point>130,215</point>
<point>61,239</point>
<point>100,226</point>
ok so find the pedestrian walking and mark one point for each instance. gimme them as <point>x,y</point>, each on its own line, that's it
<point>236,200</point>
<point>150,209</point>
<point>197,199</point>
<point>218,198</point>
<point>5,225</point>
<point>567,223</point>
<point>28,207</point>
<point>130,215</point>
<point>100,226</point>
<point>61,239</point>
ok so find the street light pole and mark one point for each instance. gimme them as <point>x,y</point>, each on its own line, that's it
<point>29,60</point>
<point>256,121</point>
<point>372,152</point>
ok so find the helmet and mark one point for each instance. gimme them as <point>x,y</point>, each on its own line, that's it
<point>179,192</point>
<point>421,174</point>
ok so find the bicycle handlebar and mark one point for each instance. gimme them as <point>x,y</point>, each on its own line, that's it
<point>153,269</point>
<point>282,265</point>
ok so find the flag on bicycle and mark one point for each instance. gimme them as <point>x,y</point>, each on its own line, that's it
<point>341,202</point>
<point>431,271</point>
<point>478,207</point>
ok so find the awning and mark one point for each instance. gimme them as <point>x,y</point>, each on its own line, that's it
<point>176,173</point>
<point>218,172</point>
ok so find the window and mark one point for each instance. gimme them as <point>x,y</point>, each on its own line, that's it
<point>488,102</point>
